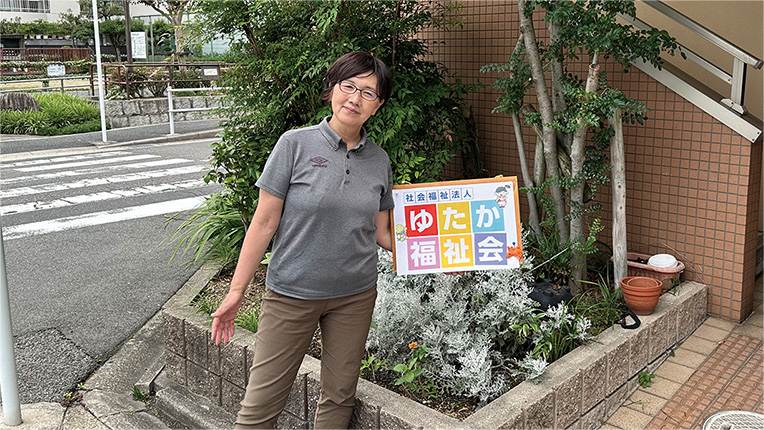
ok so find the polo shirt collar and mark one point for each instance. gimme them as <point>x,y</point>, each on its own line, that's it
<point>334,139</point>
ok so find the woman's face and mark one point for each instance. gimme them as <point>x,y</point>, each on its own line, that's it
<point>353,109</point>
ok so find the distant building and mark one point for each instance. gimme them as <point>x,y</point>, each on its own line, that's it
<point>32,10</point>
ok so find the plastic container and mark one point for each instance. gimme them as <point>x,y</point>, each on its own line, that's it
<point>665,275</point>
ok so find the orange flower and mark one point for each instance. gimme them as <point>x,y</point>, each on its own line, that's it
<point>413,345</point>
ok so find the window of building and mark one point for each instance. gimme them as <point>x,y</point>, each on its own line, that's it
<point>35,6</point>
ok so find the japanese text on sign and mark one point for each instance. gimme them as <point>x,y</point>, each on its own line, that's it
<point>457,226</point>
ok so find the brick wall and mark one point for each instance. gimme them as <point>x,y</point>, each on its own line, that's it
<point>693,184</point>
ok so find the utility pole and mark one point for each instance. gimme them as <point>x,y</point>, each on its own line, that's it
<point>9,381</point>
<point>128,37</point>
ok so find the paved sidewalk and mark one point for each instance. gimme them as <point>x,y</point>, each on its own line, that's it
<point>718,368</point>
<point>154,133</point>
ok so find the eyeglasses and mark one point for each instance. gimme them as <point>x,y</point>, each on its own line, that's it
<point>350,88</point>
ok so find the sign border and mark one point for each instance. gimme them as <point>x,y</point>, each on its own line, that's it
<point>458,183</point>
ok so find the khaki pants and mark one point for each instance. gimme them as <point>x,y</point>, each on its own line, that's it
<point>283,337</point>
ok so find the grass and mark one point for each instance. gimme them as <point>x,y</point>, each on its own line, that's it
<point>59,114</point>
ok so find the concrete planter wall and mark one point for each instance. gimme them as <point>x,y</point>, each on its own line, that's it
<point>129,113</point>
<point>578,391</point>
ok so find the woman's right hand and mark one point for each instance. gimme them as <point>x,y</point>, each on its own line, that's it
<point>224,317</point>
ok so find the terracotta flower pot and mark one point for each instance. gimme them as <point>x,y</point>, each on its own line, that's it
<point>641,293</point>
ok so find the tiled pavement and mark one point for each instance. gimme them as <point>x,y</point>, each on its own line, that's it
<point>718,368</point>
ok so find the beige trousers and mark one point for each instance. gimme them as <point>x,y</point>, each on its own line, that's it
<point>283,337</point>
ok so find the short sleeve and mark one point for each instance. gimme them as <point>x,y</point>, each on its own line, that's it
<point>386,200</point>
<point>277,173</point>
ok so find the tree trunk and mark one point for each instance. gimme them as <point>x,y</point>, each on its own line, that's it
<point>577,158</point>
<point>533,212</point>
<point>547,117</point>
<point>558,98</point>
<point>618,173</point>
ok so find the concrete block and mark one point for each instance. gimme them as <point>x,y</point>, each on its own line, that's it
<point>213,102</point>
<point>620,394</point>
<point>181,102</point>
<point>117,121</point>
<point>138,120</point>
<point>639,349</point>
<point>618,365</point>
<point>160,118</point>
<point>298,397</point>
<point>213,356</point>
<point>102,404</point>
<point>233,364</point>
<point>131,107</point>
<point>173,329</point>
<point>198,102</point>
<point>191,410</point>
<point>594,382</point>
<point>289,421</point>
<point>540,414</point>
<point>196,342</point>
<point>568,401</point>
<point>203,383</point>
<point>231,397</point>
<point>175,367</point>
<point>138,420</point>
<point>149,107</point>
<point>594,418</point>
<point>113,108</point>
<point>660,336</point>
<point>365,414</point>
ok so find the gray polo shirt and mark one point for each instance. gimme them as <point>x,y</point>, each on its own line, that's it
<point>326,243</point>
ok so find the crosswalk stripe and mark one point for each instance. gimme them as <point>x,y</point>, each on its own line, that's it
<point>97,197</point>
<point>90,182</point>
<point>85,163</point>
<point>98,218</point>
<point>92,171</point>
<point>63,159</point>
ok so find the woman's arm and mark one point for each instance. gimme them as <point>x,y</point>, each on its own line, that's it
<point>261,230</point>
<point>384,234</point>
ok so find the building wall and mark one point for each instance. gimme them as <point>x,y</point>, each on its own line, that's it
<point>693,184</point>
<point>739,22</point>
<point>57,7</point>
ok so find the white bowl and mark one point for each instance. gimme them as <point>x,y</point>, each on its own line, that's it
<point>664,261</point>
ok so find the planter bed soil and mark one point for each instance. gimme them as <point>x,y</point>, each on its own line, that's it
<point>579,390</point>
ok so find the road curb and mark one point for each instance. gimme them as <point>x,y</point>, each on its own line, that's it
<point>168,138</point>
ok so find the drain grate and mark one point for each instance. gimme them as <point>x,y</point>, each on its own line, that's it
<point>734,420</point>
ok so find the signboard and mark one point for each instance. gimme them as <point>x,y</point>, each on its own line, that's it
<point>456,226</point>
<point>210,73</point>
<point>138,44</point>
<point>56,70</point>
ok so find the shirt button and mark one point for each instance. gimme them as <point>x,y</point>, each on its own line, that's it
<point>348,155</point>
<point>347,171</point>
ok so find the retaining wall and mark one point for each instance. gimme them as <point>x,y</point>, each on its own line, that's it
<point>581,390</point>
<point>143,111</point>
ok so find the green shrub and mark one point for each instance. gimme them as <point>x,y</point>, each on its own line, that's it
<point>58,114</point>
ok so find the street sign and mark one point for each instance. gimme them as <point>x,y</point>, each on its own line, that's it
<point>456,226</point>
<point>138,43</point>
<point>56,70</point>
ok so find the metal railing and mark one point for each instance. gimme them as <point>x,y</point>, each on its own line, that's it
<point>742,59</point>
<point>173,74</point>
<point>171,110</point>
<point>44,54</point>
<point>63,87</point>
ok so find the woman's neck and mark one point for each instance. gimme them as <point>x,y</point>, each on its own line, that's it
<point>351,135</point>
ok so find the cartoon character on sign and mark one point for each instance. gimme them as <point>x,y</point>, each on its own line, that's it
<point>501,194</point>
<point>400,233</point>
<point>514,251</point>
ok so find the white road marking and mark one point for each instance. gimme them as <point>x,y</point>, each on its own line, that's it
<point>92,171</point>
<point>63,159</point>
<point>85,163</point>
<point>97,197</point>
<point>99,218</point>
<point>90,182</point>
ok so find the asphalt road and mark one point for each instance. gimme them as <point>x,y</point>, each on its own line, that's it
<point>86,255</point>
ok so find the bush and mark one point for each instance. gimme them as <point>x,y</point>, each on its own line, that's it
<point>59,114</point>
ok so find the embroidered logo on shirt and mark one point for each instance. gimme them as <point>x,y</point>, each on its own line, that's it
<point>319,162</point>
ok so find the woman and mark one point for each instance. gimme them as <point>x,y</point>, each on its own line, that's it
<point>326,193</point>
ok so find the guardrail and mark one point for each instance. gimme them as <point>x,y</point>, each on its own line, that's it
<point>56,78</point>
<point>171,110</point>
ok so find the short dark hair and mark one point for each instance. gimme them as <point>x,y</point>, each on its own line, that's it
<point>354,64</point>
